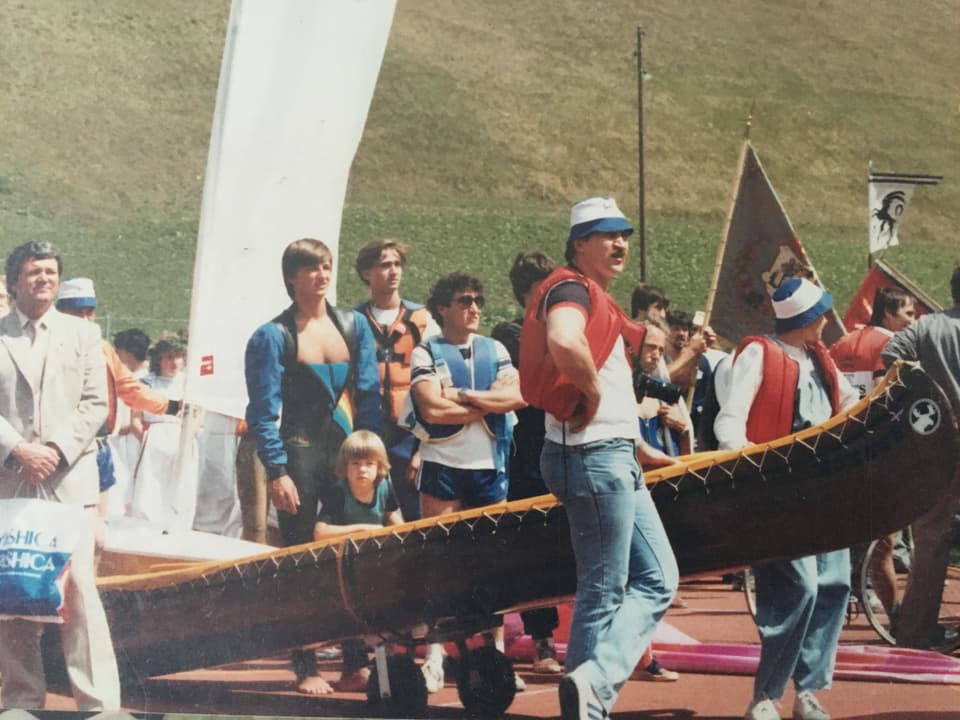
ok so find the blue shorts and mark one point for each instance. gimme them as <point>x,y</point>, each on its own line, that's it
<point>108,477</point>
<point>471,487</point>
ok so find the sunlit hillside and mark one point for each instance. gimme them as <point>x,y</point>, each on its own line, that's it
<point>488,120</point>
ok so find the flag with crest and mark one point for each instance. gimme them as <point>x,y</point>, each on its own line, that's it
<point>758,252</point>
<point>888,197</point>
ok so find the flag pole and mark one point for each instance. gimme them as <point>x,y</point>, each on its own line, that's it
<point>715,281</point>
<point>869,217</point>
<point>721,249</point>
<point>641,200</point>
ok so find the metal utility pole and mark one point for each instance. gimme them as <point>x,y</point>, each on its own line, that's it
<point>641,224</point>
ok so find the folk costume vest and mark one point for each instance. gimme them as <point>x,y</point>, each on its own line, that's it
<point>394,346</point>
<point>452,368</point>
<point>541,382</point>
<point>774,409</point>
<point>857,356</point>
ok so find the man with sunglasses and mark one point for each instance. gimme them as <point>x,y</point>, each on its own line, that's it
<point>574,364</point>
<point>464,390</point>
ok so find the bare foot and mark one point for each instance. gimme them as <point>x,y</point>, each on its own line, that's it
<point>353,682</point>
<point>314,685</point>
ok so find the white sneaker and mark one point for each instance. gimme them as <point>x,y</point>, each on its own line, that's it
<point>547,665</point>
<point>519,683</point>
<point>578,700</point>
<point>807,707</point>
<point>763,709</point>
<point>546,658</point>
<point>433,674</point>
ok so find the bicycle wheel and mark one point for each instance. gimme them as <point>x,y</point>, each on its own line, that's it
<point>877,614</point>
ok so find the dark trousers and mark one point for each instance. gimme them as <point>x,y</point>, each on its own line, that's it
<point>540,623</point>
<point>407,494</point>
<point>312,467</point>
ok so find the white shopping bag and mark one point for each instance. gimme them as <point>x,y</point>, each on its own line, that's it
<point>37,540</point>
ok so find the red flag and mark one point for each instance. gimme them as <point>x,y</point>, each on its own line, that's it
<point>759,251</point>
<point>879,276</point>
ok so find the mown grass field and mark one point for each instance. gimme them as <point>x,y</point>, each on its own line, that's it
<point>488,120</point>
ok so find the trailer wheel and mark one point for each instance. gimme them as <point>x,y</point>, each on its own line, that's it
<point>486,682</point>
<point>407,689</point>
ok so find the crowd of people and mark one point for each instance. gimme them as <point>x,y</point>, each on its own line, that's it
<point>394,411</point>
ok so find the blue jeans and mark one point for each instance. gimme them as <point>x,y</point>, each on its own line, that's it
<point>626,571</point>
<point>801,607</point>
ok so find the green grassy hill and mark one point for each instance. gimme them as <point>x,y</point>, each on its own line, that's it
<point>488,120</point>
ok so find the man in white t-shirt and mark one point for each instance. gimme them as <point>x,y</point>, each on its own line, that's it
<point>464,391</point>
<point>574,365</point>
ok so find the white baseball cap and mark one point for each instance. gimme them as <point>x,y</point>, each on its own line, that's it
<point>596,214</point>
<point>76,293</point>
<point>798,302</point>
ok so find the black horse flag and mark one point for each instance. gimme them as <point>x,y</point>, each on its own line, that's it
<point>888,196</point>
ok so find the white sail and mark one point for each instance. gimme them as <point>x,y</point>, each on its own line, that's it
<point>295,87</point>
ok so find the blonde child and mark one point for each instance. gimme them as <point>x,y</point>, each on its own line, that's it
<point>364,501</point>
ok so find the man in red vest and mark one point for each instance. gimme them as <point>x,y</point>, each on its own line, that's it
<point>574,364</point>
<point>857,354</point>
<point>778,385</point>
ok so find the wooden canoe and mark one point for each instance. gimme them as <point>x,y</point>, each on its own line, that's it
<point>862,474</point>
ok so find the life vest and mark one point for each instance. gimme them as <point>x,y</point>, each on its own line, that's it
<point>857,356</point>
<point>658,435</point>
<point>450,363</point>
<point>394,347</point>
<point>774,409</point>
<point>541,382</point>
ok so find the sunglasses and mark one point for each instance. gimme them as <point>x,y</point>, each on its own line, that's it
<point>466,301</point>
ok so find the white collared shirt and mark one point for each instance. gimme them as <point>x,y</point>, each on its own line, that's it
<point>39,332</point>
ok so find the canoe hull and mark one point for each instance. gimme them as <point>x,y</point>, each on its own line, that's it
<point>852,479</point>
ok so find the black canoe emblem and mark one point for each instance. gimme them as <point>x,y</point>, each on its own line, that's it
<point>890,210</point>
<point>924,417</point>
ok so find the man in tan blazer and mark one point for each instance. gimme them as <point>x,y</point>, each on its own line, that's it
<point>53,399</point>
